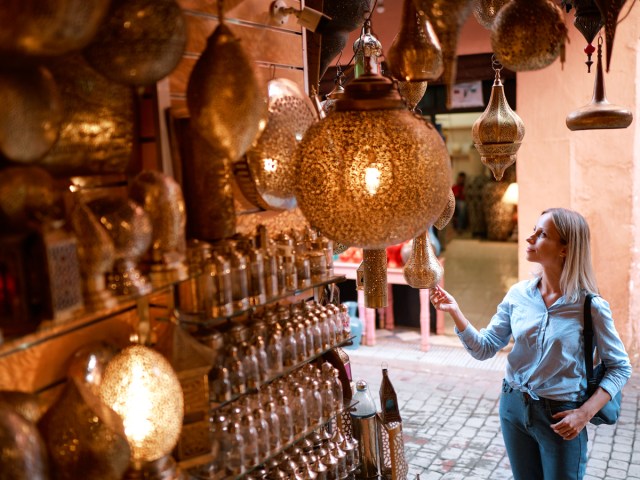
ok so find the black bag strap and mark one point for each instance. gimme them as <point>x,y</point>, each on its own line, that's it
<point>588,338</point>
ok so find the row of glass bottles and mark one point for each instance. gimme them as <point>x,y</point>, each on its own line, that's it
<point>278,337</point>
<point>248,271</point>
<point>260,424</point>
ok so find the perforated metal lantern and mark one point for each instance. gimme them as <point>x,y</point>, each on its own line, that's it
<point>610,10</point>
<point>485,11</point>
<point>422,270</point>
<point>447,214</point>
<point>372,174</point>
<point>412,92</point>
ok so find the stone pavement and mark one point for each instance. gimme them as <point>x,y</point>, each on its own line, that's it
<point>449,405</point>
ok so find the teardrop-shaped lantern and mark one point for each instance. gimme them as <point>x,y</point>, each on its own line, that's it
<point>447,18</point>
<point>374,163</point>
<point>485,11</point>
<point>375,277</point>
<point>412,92</point>
<point>588,21</point>
<point>24,453</point>
<point>227,104</point>
<point>447,214</point>
<point>32,108</point>
<point>528,34</point>
<point>415,54</point>
<point>498,132</point>
<point>599,114</point>
<point>610,10</point>
<point>141,41</point>
<point>422,270</point>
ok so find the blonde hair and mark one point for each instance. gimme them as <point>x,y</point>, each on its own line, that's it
<point>577,273</point>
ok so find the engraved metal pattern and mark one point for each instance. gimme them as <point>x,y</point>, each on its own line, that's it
<point>27,196</point>
<point>588,19</point>
<point>48,27</point>
<point>412,92</point>
<point>271,160</point>
<point>64,273</point>
<point>32,113</point>
<point>386,171</point>
<point>485,11</point>
<point>528,34</point>
<point>384,447</point>
<point>447,18</point>
<point>422,270</point>
<point>226,102</point>
<point>85,438</point>
<point>399,465</point>
<point>498,132</point>
<point>375,278</point>
<point>610,10</point>
<point>23,453</point>
<point>447,214</point>
<point>97,129</point>
<point>141,41</point>
<point>415,54</point>
<point>140,385</point>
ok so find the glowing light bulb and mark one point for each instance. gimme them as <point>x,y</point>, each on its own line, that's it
<point>372,179</point>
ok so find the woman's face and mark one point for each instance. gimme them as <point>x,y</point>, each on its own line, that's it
<point>544,244</point>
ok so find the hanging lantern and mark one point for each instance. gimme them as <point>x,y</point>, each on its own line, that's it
<point>412,92</point>
<point>528,34</point>
<point>371,174</point>
<point>485,11</point>
<point>415,54</point>
<point>447,18</point>
<point>374,277</point>
<point>226,102</point>
<point>610,10</point>
<point>329,105</point>
<point>498,132</point>
<point>447,214</point>
<point>599,114</point>
<point>367,48</point>
<point>588,21</point>
<point>422,270</point>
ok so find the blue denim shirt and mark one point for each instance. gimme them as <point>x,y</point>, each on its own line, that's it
<point>547,359</point>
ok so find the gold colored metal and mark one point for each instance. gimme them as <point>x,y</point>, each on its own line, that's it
<point>130,229</point>
<point>528,34</point>
<point>226,102</point>
<point>485,11</point>
<point>85,438</point>
<point>599,114</point>
<point>141,41</point>
<point>33,113</point>
<point>28,405</point>
<point>447,18</point>
<point>161,197</point>
<point>96,136</point>
<point>498,132</point>
<point>88,364</point>
<point>23,452</point>
<point>422,270</point>
<point>412,92</point>
<point>27,198</point>
<point>375,278</point>
<point>48,27</point>
<point>415,54</point>
<point>96,255</point>
<point>271,161</point>
<point>333,96</point>
<point>610,10</point>
<point>140,385</point>
<point>447,214</point>
<point>372,174</point>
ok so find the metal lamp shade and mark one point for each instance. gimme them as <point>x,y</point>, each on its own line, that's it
<point>485,11</point>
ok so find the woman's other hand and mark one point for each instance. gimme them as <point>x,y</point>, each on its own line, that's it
<point>571,423</point>
<point>443,300</point>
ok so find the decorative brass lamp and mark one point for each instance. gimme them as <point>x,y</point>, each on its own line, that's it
<point>161,197</point>
<point>422,270</point>
<point>485,11</point>
<point>528,34</point>
<point>23,454</point>
<point>588,21</point>
<point>447,18</point>
<point>498,132</point>
<point>412,92</point>
<point>27,197</point>
<point>447,214</point>
<point>610,10</point>
<point>415,54</point>
<point>375,277</point>
<point>374,163</point>
<point>140,385</point>
<point>599,114</point>
<point>140,42</point>
<point>367,48</point>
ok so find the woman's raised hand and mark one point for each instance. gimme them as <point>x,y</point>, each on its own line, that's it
<point>443,300</point>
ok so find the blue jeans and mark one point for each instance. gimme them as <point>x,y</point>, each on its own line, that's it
<point>535,451</point>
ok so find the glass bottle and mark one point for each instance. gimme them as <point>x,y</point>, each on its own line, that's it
<point>219,442</point>
<point>239,278</point>
<point>263,359</point>
<point>235,449</point>
<point>301,340</point>
<point>364,425</point>
<point>289,348</point>
<point>263,432</point>
<point>299,409</point>
<point>318,265</point>
<point>338,393</point>
<point>314,402</point>
<point>317,333</point>
<point>236,371</point>
<point>250,366</point>
<point>250,437</point>
<point>303,269</point>
<point>220,389</point>
<point>328,400</point>
<point>221,297</point>
<point>274,425</point>
<point>325,328</point>
<point>257,288</point>
<point>308,330</point>
<point>285,415</point>
<point>274,353</point>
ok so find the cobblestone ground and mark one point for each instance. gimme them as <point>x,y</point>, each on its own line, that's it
<point>451,427</point>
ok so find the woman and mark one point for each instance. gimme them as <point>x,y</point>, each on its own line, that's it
<point>543,412</point>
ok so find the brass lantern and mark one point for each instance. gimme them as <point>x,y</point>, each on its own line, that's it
<point>422,270</point>
<point>499,131</point>
<point>375,278</point>
<point>372,174</point>
<point>447,214</point>
<point>485,11</point>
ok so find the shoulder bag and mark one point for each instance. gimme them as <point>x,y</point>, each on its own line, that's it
<point>611,411</point>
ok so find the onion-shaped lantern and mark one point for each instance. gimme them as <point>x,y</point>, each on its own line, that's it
<point>372,174</point>
<point>498,132</point>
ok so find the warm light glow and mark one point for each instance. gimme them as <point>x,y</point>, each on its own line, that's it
<point>372,179</point>
<point>270,165</point>
<point>511,194</point>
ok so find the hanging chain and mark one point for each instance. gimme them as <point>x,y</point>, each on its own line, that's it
<point>221,10</point>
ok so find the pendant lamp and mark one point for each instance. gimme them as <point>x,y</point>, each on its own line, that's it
<point>412,92</point>
<point>372,174</point>
<point>588,21</point>
<point>447,214</point>
<point>422,270</point>
<point>599,114</point>
<point>610,10</point>
<point>528,34</point>
<point>499,131</point>
<point>447,18</point>
<point>375,277</point>
<point>415,54</point>
<point>485,11</point>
